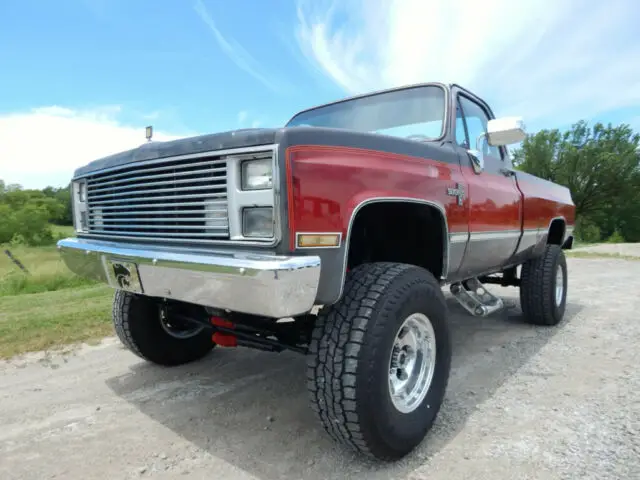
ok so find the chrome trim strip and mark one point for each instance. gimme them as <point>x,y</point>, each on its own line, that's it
<point>494,235</point>
<point>163,236</point>
<point>127,217</point>
<point>318,233</point>
<point>179,242</point>
<point>223,186</point>
<point>270,285</point>
<point>144,207</point>
<point>118,180</point>
<point>441,209</point>
<point>459,237</point>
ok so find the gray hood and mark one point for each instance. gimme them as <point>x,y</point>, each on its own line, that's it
<point>285,137</point>
<point>202,143</point>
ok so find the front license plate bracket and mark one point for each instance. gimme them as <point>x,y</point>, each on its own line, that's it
<point>123,275</point>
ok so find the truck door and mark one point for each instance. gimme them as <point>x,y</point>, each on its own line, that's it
<point>494,207</point>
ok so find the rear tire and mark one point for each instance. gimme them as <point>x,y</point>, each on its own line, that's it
<point>138,325</point>
<point>543,287</point>
<point>354,359</point>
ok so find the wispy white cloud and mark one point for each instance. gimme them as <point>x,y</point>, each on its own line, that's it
<point>248,119</point>
<point>238,54</point>
<point>552,62</point>
<point>45,145</point>
<point>154,115</point>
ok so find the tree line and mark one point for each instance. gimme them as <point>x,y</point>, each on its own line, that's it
<point>26,215</point>
<point>600,164</point>
<point>601,167</point>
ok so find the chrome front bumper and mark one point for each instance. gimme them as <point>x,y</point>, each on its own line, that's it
<point>269,285</point>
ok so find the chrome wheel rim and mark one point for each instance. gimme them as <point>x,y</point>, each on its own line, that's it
<point>559,285</point>
<point>179,330</point>
<point>412,363</point>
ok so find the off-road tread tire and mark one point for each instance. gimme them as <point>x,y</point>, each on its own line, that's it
<point>137,325</point>
<point>353,334</point>
<point>537,287</point>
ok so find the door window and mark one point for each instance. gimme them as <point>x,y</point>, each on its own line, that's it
<point>461,132</point>
<point>476,119</point>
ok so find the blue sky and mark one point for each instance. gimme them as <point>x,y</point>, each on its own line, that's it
<point>81,78</point>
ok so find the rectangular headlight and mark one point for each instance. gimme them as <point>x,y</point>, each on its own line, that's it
<point>257,174</point>
<point>79,205</point>
<point>82,191</point>
<point>257,222</point>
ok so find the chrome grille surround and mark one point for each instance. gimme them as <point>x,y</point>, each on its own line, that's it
<point>186,199</point>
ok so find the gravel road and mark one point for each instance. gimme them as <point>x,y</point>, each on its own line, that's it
<point>523,402</point>
<point>626,249</point>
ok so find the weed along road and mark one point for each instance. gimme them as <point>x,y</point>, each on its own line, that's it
<point>523,402</point>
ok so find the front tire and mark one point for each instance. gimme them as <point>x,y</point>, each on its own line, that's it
<point>386,336</point>
<point>140,327</point>
<point>543,287</point>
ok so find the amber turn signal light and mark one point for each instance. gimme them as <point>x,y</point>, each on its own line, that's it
<point>318,240</point>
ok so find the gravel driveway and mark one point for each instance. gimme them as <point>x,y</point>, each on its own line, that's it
<point>523,402</point>
<point>626,249</point>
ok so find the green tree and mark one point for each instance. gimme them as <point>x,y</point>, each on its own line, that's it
<point>601,167</point>
<point>62,196</point>
<point>26,214</point>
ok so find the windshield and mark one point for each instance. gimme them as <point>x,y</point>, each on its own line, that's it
<point>415,111</point>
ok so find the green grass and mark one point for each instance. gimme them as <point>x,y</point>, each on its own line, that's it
<point>46,270</point>
<point>50,306</point>
<point>32,322</point>
<point>62,231</point>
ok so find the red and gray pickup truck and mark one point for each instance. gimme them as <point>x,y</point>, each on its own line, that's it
<point>334,237</point>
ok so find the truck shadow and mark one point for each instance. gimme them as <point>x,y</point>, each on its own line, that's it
<point>250,408</point>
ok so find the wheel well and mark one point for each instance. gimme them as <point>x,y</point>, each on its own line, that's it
<point>401,232</point>
<point>556,232</point>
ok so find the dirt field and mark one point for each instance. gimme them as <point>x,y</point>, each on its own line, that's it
<point>523,402</point>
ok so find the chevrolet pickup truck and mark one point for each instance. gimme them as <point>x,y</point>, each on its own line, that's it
<point>334,237</point>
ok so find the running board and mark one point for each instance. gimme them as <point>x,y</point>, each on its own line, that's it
<point>475,298</point>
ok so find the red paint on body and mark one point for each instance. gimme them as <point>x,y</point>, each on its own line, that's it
<point>495,202</point>
<point>326,184</point>
<point>544,201</point>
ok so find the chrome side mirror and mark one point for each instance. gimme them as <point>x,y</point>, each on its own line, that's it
<point>477,160</point>
<point>505,131</point>
<point>476,155</point>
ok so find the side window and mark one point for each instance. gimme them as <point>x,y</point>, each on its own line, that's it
<point>476,120</point>
<point>461,133</point>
